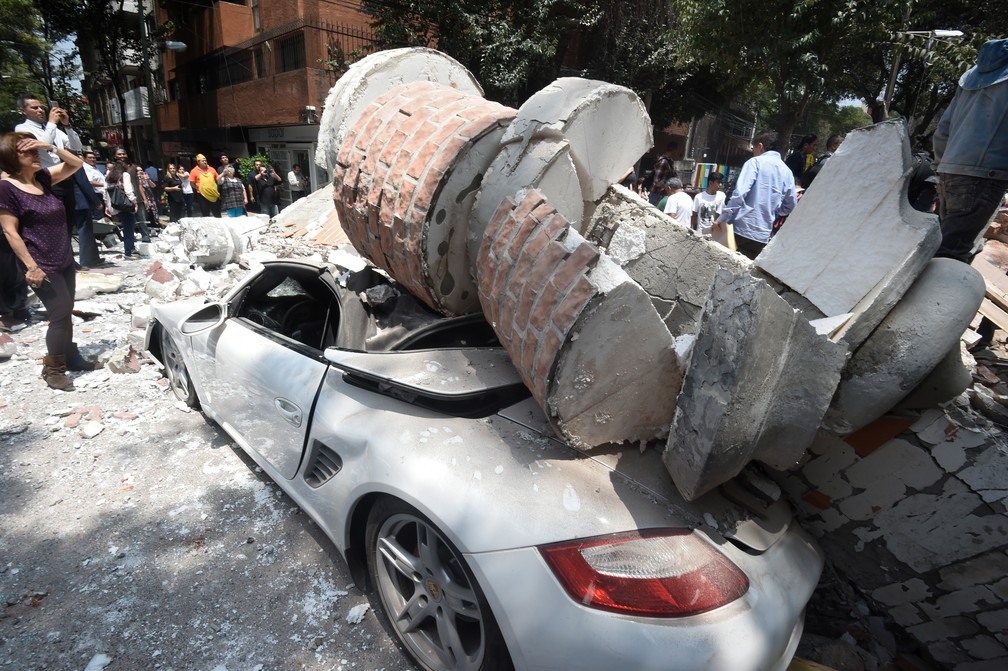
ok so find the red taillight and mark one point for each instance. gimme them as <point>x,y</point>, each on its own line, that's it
<point>651,573</point>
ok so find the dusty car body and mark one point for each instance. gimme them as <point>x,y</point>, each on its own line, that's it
<point>409,438</point>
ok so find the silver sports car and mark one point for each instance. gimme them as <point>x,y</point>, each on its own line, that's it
<point>486,542</point>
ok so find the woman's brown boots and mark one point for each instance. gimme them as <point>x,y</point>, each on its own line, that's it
<point>54,373</point>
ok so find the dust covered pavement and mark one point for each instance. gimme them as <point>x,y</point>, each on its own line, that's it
<point>135,535</point>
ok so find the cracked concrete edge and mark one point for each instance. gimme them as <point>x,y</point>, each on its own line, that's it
<point>757,384</point>
<point>672,263</point>
<point>372,76</point>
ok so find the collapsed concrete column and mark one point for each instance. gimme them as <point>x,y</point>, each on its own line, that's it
<point>854,245</point>
<point>405,180</point>
<point>210,241</point>
<point>561,310</point>
<point>563,142</point>
<point>912,339</point>
<point>758,381</point>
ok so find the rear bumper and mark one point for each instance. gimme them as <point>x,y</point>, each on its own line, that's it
<point>546,630</point>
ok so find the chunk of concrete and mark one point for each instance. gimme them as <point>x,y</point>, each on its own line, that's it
<point>854,244</point>
<point>562,310</point>
<point>91,283</point>
<point>913,338</point>
<point>544,165</point>
<point>757,385</point>
<point>373,76</point>
<point>607,126</point>
<point>209,241</point>
<point>8,347</point>
<point>670,262</point>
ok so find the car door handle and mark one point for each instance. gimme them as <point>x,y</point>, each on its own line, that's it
<point>290,411</point>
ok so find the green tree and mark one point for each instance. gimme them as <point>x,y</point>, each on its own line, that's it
<point>797,49</point>
<point>19,41</point>
<point>512,48</point>
<point>634,45</point>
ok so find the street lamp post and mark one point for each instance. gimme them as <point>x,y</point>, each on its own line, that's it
<point>931,35</point>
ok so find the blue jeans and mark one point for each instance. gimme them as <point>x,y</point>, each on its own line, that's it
<point>128,222</point>
<point>965,207</point>
<point>85,238</point>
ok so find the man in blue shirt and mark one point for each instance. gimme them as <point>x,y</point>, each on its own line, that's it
<point>765,190</point>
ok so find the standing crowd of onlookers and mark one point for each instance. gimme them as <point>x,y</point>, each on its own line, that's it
<point>51,187</point>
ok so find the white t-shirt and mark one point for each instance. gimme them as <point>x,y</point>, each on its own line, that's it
<point>679,206</point>
<point>707,208</point>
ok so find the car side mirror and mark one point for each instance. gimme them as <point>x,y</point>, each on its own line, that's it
<point>205,318</point>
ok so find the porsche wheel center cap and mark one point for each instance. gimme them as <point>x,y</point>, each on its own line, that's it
<point>433,589</point>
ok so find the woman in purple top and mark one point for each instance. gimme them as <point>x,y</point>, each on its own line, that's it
<point>34,222</point>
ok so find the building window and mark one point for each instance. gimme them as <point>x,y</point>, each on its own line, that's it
<point>256,23</point>
<point>234,69</point>
<point>260,62</point>
<point>291,53</point>
<point>173,89</point>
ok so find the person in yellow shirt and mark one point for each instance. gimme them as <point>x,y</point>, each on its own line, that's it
<point>204,184</point>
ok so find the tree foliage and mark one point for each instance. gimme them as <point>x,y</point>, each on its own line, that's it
<point>515,48</point>
<point>797,49</point>
<point>804,52</point>
<point>512,48</point>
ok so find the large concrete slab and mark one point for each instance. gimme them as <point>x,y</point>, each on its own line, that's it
<point>909,343</point>
<point>373,76</point>
<point>854,244</point>
<point>757,384</point>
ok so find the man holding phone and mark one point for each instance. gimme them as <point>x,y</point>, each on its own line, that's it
<point>53,129</point>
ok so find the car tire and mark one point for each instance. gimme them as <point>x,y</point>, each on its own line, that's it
<point>428,594</point>
<point>179,380</point>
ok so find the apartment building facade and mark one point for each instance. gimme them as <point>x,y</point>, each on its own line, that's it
<point>253,77</point>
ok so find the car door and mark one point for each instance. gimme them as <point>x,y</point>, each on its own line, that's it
<point>266,381</point>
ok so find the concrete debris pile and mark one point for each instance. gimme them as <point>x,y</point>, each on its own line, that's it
<point>625,326</point>
<point>207,255</point>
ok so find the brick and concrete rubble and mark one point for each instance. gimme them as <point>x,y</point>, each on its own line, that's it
<point>425,172</point>
<point>628,328</point>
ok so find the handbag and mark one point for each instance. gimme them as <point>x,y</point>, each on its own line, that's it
<point>118,198</point>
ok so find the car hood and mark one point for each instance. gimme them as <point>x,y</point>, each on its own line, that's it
<point>747,510</point>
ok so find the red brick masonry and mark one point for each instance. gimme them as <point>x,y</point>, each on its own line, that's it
<point>531,287</point>
<point>392,168</point>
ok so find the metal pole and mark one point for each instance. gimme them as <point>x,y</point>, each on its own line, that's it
<point>149,83</point>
